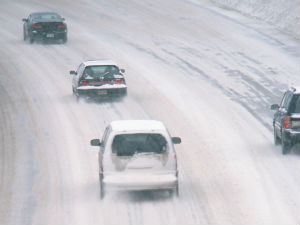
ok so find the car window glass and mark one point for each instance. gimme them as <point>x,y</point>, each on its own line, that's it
<point>295,104</point>
<point>130,144</point>
<point>283,99</point>
<point>80,69</point>
<point>105,135</point>
<point>287,100</point>
<point>100,72</point>
<point>46,17</point>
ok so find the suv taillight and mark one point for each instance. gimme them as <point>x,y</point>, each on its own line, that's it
<point>287,123</point>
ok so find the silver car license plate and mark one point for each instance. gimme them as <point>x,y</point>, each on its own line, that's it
<point>102,92</point>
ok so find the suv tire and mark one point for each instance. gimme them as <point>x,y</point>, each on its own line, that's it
<point>285,146</point>
<point>276,138</point>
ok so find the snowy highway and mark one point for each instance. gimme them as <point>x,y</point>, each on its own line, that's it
<point>208,73</point>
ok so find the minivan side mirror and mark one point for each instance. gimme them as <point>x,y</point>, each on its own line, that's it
<point>95,142</point>
<point>24,20</point>
<point>274,107</point>
<point>72,72</point>
<point>122,70</point>
<point>176,140</point>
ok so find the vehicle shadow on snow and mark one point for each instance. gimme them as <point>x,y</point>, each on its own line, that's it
<point>47,42</point>
<point>140,196</point>
<point>294,151</point>
<point>100,100</point>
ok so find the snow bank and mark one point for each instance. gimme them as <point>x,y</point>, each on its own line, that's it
<point>284,14</point>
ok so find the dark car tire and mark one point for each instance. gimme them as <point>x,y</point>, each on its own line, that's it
<point>276,138</point>
<point>65,39</point>
<point>24,35</point>
<point>102,188</point>
<point>31,40</point>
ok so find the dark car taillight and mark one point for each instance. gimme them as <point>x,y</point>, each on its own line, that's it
<point>36,26</point>
<point>62,26</point>
<point>287,123</point>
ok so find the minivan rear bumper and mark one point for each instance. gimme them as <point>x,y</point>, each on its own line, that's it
<point>140,182</point>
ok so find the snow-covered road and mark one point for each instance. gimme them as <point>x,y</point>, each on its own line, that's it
<point>209,74</point>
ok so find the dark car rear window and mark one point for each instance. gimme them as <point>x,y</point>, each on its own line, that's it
<point>46,17</point>
<point>295,104</point>
<point>129,144</point>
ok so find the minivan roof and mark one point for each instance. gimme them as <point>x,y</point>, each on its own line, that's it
<point>137,125</point>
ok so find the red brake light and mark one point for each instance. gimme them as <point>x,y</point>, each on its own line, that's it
<point>36,26</point>
<point>62,26</point>
<point>85,83</point>
<point>287,123</point>
<point>120,81</point>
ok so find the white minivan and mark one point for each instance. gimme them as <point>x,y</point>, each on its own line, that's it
<point>137,155</point>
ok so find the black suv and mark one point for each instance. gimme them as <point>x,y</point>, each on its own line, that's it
<point>286,122</point>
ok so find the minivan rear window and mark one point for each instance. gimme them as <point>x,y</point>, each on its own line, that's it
<point>130,144</point>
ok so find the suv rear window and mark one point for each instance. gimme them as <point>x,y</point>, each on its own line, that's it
<point>295,104</point>
<point>130,144</point>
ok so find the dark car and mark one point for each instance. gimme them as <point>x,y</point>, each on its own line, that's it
<point>286,122</point>
<point>45,26</point>
<point>98,79</point>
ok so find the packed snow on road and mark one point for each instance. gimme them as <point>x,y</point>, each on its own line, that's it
<point>208,71</point>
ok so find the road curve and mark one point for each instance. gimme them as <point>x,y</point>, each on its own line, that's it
<point>208,74</point>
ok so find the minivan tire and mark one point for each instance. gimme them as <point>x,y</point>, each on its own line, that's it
<point>175,191</point>
<point>102,191</point>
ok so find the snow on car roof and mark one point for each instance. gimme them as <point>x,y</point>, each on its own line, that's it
<point>103,62</point>
<point>137,125</point>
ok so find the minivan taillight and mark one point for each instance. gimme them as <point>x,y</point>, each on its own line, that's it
<point>287,123</point>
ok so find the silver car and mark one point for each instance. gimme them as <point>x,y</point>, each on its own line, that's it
<point>98,78</point>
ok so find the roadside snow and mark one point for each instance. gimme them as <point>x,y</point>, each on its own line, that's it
<point>284,14</point>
